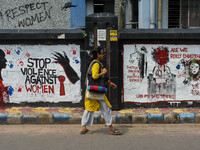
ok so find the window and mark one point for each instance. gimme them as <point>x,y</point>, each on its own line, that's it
<point>104,6</point>
<point>134,13</point>
<point>190,13</point>
<point>98,6</point>
<point>174,14</point>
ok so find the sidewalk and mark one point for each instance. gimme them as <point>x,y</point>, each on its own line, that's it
<point>61,115</point>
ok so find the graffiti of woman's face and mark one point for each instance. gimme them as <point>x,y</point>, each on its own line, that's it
<point>2,60</point>
<point>194,68</point>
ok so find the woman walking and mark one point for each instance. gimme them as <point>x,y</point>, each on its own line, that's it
<point>94,105</point>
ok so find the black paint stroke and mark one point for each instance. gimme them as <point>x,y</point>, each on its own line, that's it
<point>64,61</point>
<point>68,5</point>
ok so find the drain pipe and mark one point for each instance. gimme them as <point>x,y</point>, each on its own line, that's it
<point>152,14</point>
<point>159,14</point>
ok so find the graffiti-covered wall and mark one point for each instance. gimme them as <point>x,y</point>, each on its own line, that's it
<point>161,73</point>
<point>40,73</point>
<point>34,14</point>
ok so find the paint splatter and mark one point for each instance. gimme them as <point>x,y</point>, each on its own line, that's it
<point>26,53</point>
<point>161,55</point>
<point>8,50</point>
<point>19,89</point>
<point>19,62</point>
<point>76,60</point>
<point>11,64</point>
<point>74,49</point>
<point>10,90</point>
<point>18,50</point>
<point>178,67</point>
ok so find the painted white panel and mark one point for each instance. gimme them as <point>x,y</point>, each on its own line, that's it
<point>42,73</point>
<point>161,72</point>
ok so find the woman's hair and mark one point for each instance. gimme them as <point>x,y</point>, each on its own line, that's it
<point>2,54</point>
<point>95,52</point>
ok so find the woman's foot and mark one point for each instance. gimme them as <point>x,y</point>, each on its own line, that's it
<point>114,131</point>
<point>84,130</point>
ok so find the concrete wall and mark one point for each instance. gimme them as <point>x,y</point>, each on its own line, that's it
<point>42,66</point>
<point>160,67</point>
<point>42,73</point>
<point>144,17</point>
<point>34,14</point>
<point>37,66</point>
<point>78,13</point>
<point>144,14</point>
<point>161,72</point>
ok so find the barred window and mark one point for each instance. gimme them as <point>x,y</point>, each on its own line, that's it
<point>190,13</point>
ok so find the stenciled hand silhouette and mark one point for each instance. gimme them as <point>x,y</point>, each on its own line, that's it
<point>64,61</point>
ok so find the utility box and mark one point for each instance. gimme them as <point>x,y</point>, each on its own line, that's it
<point>102,31</point>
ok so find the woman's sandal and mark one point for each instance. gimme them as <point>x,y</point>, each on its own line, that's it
<point>86,131</point>
<point>115,133</point>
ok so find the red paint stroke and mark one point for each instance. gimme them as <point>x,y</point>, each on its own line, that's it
<point>21,63</point>
<point>40,88</point>
<point>161,56</point>
<point>3,89</point>
<point>27,54</point>
<point>74,52</point>
<point>8,50</point>
<point>62,87</point>
<point>20,89</point>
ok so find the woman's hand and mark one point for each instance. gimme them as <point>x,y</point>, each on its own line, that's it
<point>104,71</point>
<point>113,85</point>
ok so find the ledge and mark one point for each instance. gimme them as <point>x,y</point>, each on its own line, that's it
<point>159,34</point>
<point>26,34</point>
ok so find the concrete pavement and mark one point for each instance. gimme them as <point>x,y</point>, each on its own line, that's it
<point>63,115</point>
<point>67,137</point>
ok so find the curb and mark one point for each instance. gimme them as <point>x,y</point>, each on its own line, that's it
<point>118,118</point>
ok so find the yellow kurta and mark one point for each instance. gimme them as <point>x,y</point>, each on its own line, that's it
<point>94,105</point>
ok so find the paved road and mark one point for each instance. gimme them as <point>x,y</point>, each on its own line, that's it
<point>67,137</point>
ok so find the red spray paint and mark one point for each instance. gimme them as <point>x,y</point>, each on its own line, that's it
<point>161,56</point>
<point>62,87</point>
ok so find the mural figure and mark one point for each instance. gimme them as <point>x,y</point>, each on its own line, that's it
<point>142,60</point>
<point>191,68</point>
<point>64,61</point>
<point>3,89</point>
<point>68,5</point>
<point>91,39</point>
<point>161,81</point>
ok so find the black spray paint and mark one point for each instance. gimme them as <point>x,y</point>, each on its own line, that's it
<point>39,13</point>
<point>63,60</point>
<point>37,72</point>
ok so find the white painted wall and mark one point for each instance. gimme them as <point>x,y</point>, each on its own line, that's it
<point>22,57</point>
<point>136,89</point>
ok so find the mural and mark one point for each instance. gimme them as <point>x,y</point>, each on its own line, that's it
<point>3,89</point>
<point>40,73</point>
<point>35,14</point>
<point>154,73</point>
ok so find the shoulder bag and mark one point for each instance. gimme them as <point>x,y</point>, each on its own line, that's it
<point>96,88</point>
